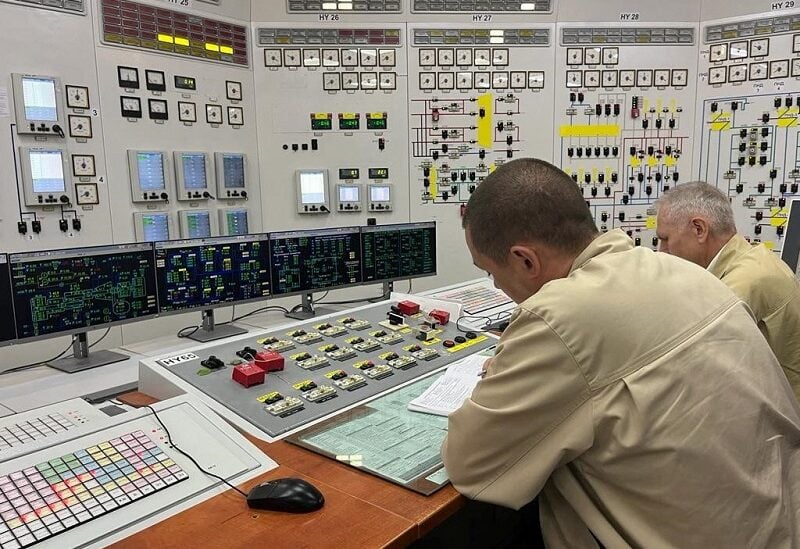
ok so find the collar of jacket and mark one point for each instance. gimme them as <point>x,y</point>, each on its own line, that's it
<point>734,247</point>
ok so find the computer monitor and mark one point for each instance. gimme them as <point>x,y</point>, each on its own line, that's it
<point>307,261</point>
<point>70,291</point>
<point>791,242</point>
<point>393,252</point>
<point>205,273</point>
<point>8,331</point>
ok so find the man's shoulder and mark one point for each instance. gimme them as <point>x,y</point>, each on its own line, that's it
<point>760,279</point>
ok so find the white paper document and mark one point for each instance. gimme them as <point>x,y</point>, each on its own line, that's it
<point>449,391</point>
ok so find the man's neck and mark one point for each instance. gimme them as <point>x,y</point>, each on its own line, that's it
<point>715,245</point>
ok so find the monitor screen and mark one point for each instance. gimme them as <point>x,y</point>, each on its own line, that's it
<point>312,187</point>
<point>305,261</point>
<point>47,172</point>
<point>379,194</point>
<point>155,226</point>
<point>7,329</point>
<point>233,171</point>
<point>39,95</point>
<point>406,250</point>
<point>791,242</point>
<point>194,170</point>
<point>212,271</point>
<point>348,193</point>
<point>151,171</point>
<point>198,224</point>
<point>72,290</point>
<point>236,222</point>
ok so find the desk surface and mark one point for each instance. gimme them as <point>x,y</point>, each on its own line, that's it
<point>360,510</point>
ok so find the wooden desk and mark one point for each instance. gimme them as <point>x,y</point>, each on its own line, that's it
<point>360,510</point>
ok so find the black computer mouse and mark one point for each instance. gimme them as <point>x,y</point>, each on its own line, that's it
<point>293,495</point>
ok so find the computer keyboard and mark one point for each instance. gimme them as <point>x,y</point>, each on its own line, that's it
<point>41,501</point>
<point>477,298</point>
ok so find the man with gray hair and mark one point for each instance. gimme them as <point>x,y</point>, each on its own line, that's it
<point>643,412</point>
<point>695,222</point>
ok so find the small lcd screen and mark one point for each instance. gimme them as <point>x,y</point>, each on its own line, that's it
<point>155,227</point>
<point>348,194</point>
<point>378,173</point>
<point>380,194</point>
<point>348,173</point>
<point>151,171</point>
<point>236,222</point>
<point>233,171</point>
<point>198,224</point>
<point>312,187</point>
<point>47,172</point>
<point>194,170</point>
<point>39,95</point>
<point>185,83</point>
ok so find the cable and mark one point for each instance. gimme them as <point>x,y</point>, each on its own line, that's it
<point>38,363</point>
<point>488,320</point>
<point>261,310</point>
<point>181,333</point>
<point>190,458</point>
<point>102,337</point>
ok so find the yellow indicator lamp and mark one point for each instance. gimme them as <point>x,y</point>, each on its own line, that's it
<point>166,38</point>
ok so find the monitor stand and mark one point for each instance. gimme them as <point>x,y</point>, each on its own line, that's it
<point>82,360</point>
<point>307,309</point>
<point>209,332</point>
<point>388,288</point>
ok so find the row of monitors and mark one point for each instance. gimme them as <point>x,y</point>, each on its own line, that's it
<point>57,292</point>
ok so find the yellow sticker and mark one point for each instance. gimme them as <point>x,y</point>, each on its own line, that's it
<point>485,126</point>
<point>650,222</point>
<point>590,130</point>
<point>779,216</point>
<point>467,343</point>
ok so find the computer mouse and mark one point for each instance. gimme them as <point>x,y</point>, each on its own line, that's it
<point>293,495</point>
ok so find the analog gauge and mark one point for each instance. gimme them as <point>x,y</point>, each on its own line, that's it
<point>427,57</point>
<point>350,58</point>
<point>83,165</point>
<point>131,107</point>
<point>369,57</point>
<point>235,116</point>
<point>330,58</point>
<point>591,56</point>
<point>627,78</point>
<point>388,81</point>
<point>758,71</point>
<point>427,81</point>
<point>795,67</point>
<point>500,57</point>
<point>738,73</point>
<point>80,126</point>
<point>779,69</point>
<point>233,90</point>
<point>77,97</point>
<point>759,47</point>
<point>610,79</point>
<point>311,57</point>
<point>155,80</point>
<point>483,80</point>
<point>591,79</point>
<point>128,77</point>
<point>518,79</point>
<point>446,80</point>
<point>463,57</point>
<point>386,58</point>
<point>661,77</point>
<point>536,80</point>
<point>446,57</point>
<point>187,111</point>
<point>157,109</point>
<point>292,57</point>
<point>331,81</point>
<point>369,80</point>
<point>483,57</point>
<point>717,75</point>
<point>272,58</point>
<point>350,81</point>
<point>86,194</point>
<point>574,56</point>
<point>680,77</point>
<point>718,52</point>
<point>213,114</point>
<point>464,81</point>
<point>499,80</point>
<point>738,50</point>
<point>644,78</point>
<point>574,79</point>
<point>610,56</point>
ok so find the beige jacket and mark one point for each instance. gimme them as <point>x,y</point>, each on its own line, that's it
<point>772,292</point>
<point>638,396</point>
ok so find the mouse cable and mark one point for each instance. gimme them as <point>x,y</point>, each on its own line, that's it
<point>190,458</point>
<point>487,320</point>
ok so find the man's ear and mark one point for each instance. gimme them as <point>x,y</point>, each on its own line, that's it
<point>525,260</point>
<point>699,228</point>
